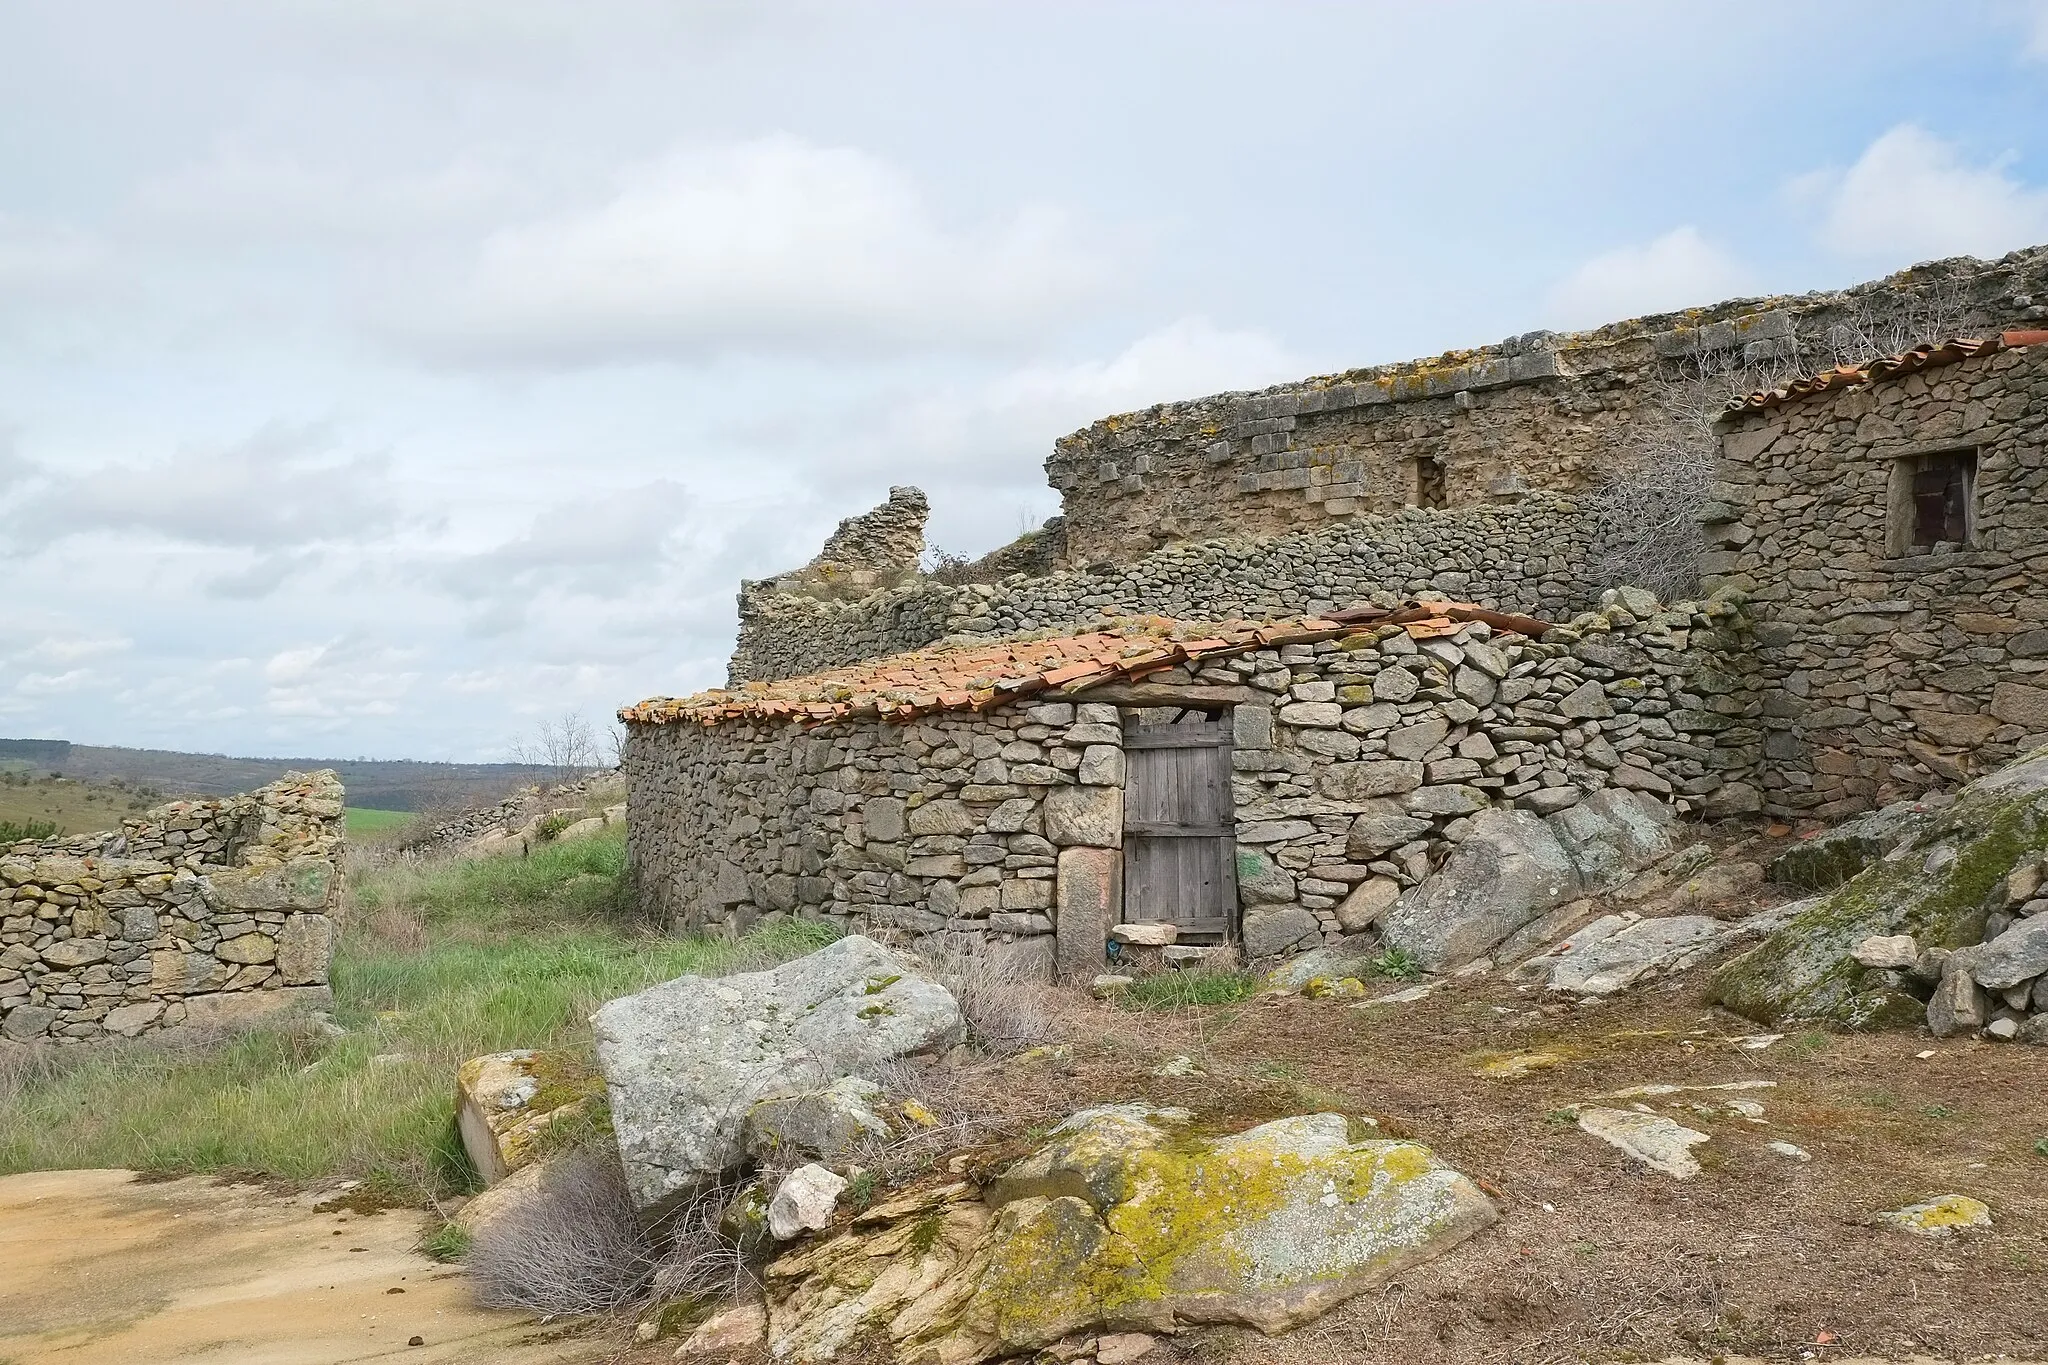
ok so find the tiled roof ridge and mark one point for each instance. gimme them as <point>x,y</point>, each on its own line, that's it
<point>1927,356</point>
<point>983,676</point>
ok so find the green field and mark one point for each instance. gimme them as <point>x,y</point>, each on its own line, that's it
<point>73,807</point>
<point>362,822</point>
<point>436,965</point>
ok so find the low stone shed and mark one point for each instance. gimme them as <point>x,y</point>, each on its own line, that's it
<point>1273,784</point>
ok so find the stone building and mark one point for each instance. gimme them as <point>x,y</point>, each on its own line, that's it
<point>1278,784</point>
<point>1888,525</point>
<point>975,757</point>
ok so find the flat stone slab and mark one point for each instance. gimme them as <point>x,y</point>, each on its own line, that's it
<point>1652,1139</point>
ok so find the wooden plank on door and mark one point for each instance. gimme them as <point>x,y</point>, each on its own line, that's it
<point>1179,844</point>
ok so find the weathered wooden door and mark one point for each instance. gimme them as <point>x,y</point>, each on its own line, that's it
<point>1179,834</point>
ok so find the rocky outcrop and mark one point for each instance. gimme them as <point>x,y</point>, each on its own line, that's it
<point>687,1062</point>
<point>1963,884</point>
<point>1511,867</point>
<point>1125,1220</point>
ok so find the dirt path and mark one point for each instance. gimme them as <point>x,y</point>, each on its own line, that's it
<point>99,1269</point>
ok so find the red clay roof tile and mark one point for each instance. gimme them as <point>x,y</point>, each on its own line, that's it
<point>978,677</point>
<point>1927,357</point>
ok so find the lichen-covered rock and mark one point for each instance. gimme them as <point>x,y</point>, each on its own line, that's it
<point>687,1060</point>
<point>1603,963</point>
<point>1942,1216</point>
<point>1834,856</point>
<point>1127,1221</point>
<point>1807,969</point>
<point>505,1101</point>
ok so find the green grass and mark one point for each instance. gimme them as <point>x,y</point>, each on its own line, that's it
<point>1185,989</point>
<point>366,822</point>
<point>436,964</point>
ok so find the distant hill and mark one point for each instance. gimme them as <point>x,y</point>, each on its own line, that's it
<point>397,784</point>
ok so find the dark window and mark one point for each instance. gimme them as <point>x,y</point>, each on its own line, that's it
<point>1933,501</point>
<point>1429,482</point>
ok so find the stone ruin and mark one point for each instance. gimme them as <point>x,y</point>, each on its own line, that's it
<point>200,914</point>
<point>942,759</point>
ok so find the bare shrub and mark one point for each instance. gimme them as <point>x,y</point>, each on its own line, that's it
<point>1004,1011</point>
<point>697,1260</point>
<point>1646,509</point>
<point>574,1245</point>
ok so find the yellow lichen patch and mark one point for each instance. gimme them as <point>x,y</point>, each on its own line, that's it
<point>1334,988</point>
<point>1943,1216</point>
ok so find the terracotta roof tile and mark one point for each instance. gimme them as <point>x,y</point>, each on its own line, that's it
<point>1927,357</point>
<point>981,676</point>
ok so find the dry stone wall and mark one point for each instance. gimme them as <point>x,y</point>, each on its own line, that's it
<point>1356,764</point>
<point>1524,557</point>
<point>200,914</point>
<point>1878,673</point>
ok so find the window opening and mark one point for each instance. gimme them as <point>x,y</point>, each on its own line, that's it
<point>1933,501</point>
<point>1429,482</point>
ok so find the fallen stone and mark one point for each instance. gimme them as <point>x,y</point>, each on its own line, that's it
<point>1148,934</point>
<point>2019,954</point>
<point>505,1101</point>
<point>1887,951</point>
<point>1296,972</point>
<point>804,1202</point>
<point>1790,1151</point>
<point>1108,986</point>
<point>1366,902</point>
<point>1958,1005</point>
<point>1406,996</point>
<point>729,1332</point>
<point>1943,1216</point>
<point>687,1060</point>
<point>1652,1139</point>
<point>823,1123</point>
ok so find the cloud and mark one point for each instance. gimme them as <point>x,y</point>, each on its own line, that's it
<point>1913,196</point>
<point>241,195</point>
<point>775,244</point>
<point>1678,270</point>
<point>40,260</point>
<point>276,491</point>
<point>2037,33</point>
<point>351,676</point>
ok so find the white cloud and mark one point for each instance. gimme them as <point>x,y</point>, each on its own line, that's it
<point>1681,269</point>
<point>330,682</point>
<point>43,260</point>
<point>1914,196</point>
<point>774,244</point>
<point>241,195</point>
<point>2037,32</point>
<point>274,492</point>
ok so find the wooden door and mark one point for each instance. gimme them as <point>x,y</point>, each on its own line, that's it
<point>1179,830</point>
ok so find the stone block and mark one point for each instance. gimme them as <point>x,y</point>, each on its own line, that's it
<point>1251,727</point>
<point>1102,765</point>
<point>1085,816</point>
<point>941,817</point>
<point>307,884</point>
<point>1089,899</point>
<point>304,948</point>
<point>1365,781</point>
<point>1414,741</point>
<point>1367,901</point>
<point>883,817</point>
<point>1021,893</point>
<point>1312,715</point>
<point>1261,881</point>
<point>1269,931</point>
<point>2021,704</point>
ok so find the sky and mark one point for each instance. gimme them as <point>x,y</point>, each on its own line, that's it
<point>382,378</point>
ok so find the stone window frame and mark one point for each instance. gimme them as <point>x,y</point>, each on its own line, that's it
<point>1902,516</point>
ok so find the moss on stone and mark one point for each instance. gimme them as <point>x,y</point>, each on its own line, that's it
<point>1804,971</point>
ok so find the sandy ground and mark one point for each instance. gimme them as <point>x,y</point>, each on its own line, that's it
<point>98,1268</point>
